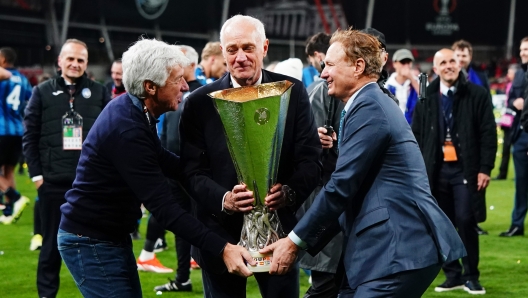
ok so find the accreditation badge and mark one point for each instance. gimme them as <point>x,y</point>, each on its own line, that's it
<point>72,124</point>
<point>449,149</point>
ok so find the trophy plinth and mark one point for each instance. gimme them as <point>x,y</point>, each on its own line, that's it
<point>254,118</point>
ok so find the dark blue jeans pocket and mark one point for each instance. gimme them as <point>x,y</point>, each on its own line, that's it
<point>71,252</point>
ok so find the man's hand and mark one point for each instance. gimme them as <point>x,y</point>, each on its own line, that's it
<point>240,199</point>
<point>275,198</point>
<point>38,183</point>
<point>234,256</point>
<point>326,140</point>
<point>483,181</point>
<point>519,103</point>
<point>284,255</point>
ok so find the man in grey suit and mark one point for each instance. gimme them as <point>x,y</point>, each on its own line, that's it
<point>396,236</point>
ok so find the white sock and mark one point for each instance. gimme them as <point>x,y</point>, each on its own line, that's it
<point>145,255</point>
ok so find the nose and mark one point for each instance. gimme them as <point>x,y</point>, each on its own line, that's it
<point>241,56</point>
<point>324,74</point>
<point>185,86</point>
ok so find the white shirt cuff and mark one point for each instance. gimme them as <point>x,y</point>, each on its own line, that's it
<point>298,241</point>
<point>225,210</point>
<point>37,178</point>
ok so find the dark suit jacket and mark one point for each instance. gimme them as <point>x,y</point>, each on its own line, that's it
<point>208,167</point>
<point>390,220</point>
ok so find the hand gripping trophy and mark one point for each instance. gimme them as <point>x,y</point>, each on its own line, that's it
<point>254,118</point>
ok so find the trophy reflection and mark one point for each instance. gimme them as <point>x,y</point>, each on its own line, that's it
<point>254,118</point>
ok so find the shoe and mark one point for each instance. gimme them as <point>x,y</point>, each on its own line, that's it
<point>36,242</point>
<point>153,265</point>
<point>160,245</point>
<point>6,220</point>
<point>174,286</point>
<point>194,265</point>
<point>513,231</point>
<point>480,231</point>
<point>450,285</point>
<point>474,287</point>
<point>19,206</point>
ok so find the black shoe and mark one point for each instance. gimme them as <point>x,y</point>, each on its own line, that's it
<point>480,231</point>
<point>474,287</point>
<point>450,285</point>
<point>513,231</point>
<point>174,286</point>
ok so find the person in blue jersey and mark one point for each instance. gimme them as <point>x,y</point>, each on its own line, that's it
<point>464,55</point>
<point>316,47</point>
<point>15,91</point>
<point>403,84</point>
<point>212,66</point>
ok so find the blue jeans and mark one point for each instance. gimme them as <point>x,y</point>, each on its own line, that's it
<point>100,268</point>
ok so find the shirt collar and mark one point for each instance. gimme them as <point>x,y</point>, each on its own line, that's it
<point>444,89</point>
<point>236,85</point>
<point>349,102</point>
<point>136,102</point>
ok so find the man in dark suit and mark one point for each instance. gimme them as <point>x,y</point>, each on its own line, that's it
<point>396,236</point>
<point>457,134</point>
<point>210,173</point>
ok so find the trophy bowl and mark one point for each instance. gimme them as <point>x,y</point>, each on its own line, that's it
<point>254,118</point>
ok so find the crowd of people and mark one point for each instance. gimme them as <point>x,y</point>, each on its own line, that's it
<point>359,210</point>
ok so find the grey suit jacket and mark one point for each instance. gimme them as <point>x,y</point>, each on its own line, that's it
<point>381,195</point>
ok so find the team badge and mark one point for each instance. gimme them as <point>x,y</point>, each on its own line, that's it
<point>86,93</point>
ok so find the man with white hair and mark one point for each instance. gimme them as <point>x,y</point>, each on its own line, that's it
<point>210,173</point>
<point>122,166</point>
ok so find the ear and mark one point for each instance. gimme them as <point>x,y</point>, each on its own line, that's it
<point>266,45</point>
<point>321,56</point>
<point>150,87</point>
<point>435,70</point>
<point>360,67</point>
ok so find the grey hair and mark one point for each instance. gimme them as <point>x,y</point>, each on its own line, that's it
<point>190,53</point>
<point>152,60</point>
<point>258,34</point>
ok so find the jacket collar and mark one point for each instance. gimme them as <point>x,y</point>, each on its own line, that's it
<point>80,81</point>
<point>225,81</point>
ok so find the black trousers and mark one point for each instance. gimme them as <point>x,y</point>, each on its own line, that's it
<point>228,285</point>
<point>506,149</point>
<point>405,284</point>
<point>326,284</point>
<point>455,199</point>
<point>51,197</point>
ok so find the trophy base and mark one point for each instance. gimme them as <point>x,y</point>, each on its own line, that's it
<point>263,262</point>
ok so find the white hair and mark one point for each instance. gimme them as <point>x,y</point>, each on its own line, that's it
<point>190,53</point>
<point>258,34</point>
<point>152,60</point>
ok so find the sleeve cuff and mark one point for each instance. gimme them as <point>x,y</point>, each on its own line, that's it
<point>37,178</point>
<point>225,210</point>
<point>298,241</point>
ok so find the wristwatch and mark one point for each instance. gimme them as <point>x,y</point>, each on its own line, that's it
<point>289,195</point>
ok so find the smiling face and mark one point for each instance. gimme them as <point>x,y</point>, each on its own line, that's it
<point>116,73</point>
<point>243,52</point>
<point>73,61</point>
<point>170,95</point>
<point>524,52</point>
<point>446,66</point>
<point>339,72</point>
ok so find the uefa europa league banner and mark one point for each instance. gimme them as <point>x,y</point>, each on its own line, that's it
<point>254,118</point>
